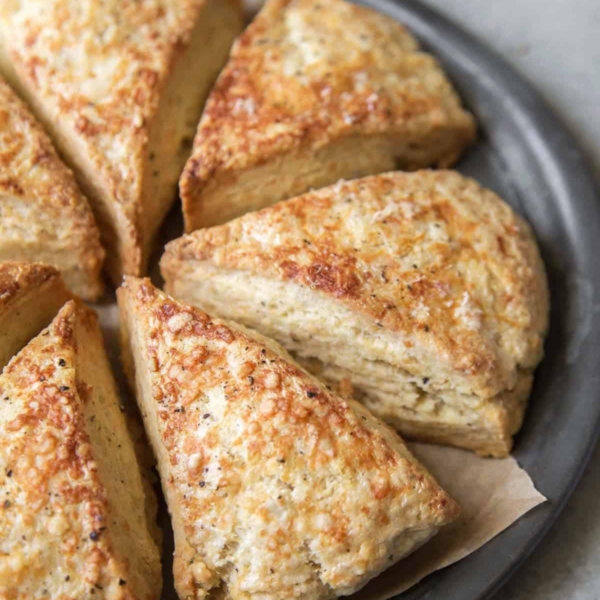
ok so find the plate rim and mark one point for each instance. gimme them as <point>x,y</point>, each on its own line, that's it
<point>565,166</point>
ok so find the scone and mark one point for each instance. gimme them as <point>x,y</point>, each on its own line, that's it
<point>424,290</point>
<point>120,84</point>
<point>72,518</point>
<point>30,297</point>
<point>315,92</point>
<point>277,488</point>
<point>43,215</point>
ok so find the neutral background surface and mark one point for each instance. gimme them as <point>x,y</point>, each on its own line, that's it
<point>555,44</point>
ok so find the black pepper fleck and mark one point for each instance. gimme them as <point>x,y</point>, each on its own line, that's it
<point>62,363</point>
<point>425,380</point>
<point>94,536</point>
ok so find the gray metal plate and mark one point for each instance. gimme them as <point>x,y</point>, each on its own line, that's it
<point>525,154</point>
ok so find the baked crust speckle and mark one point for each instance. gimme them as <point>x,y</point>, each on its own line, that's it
<point>31,295</point>
<point>107,79</point>
<point>17,278</point>
<point>277,487</point>
<point>58,521</point>
<point>428,272</point>
<point>43,215</point>
<point>314,92</point>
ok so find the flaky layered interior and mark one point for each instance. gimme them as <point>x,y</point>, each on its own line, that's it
<point>28,314</point>
<point>32,231</point>
<point>118,468</point>
<point>347,348</point>
<point>222,198</point>
<point>226,196</point>
<point>467,421</point>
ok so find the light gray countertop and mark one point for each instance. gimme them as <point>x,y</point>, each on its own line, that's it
<point>556,45</point>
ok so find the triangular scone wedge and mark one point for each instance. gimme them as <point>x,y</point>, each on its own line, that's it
<point>43,215</point>
<point>315,92</point>
<point>277,488</point>
<point>120,84</point>
<point>72,516</point>
<point>424,290</point>
<point>30,297</point>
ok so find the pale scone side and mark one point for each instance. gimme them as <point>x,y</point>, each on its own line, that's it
<point>30,297</point>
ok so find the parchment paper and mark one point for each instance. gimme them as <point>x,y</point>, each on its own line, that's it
<point>492,493</point>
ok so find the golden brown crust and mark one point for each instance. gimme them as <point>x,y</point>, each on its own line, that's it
<point>424,290</point>
<point>34,181</point>
<point>30,296</point>
<point>430,256</point>
<point>96,71</point>
<point>56,524</point>
<point>17,278</point>
<point>278,488</point>
<point>305,75</point>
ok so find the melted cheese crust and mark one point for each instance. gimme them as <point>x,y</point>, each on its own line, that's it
<point>427,279</point>
<point>43,215</point>
<point>96,72</point>
<point>277,487</point>
<point>303,79</point>
<point>72,520</point>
